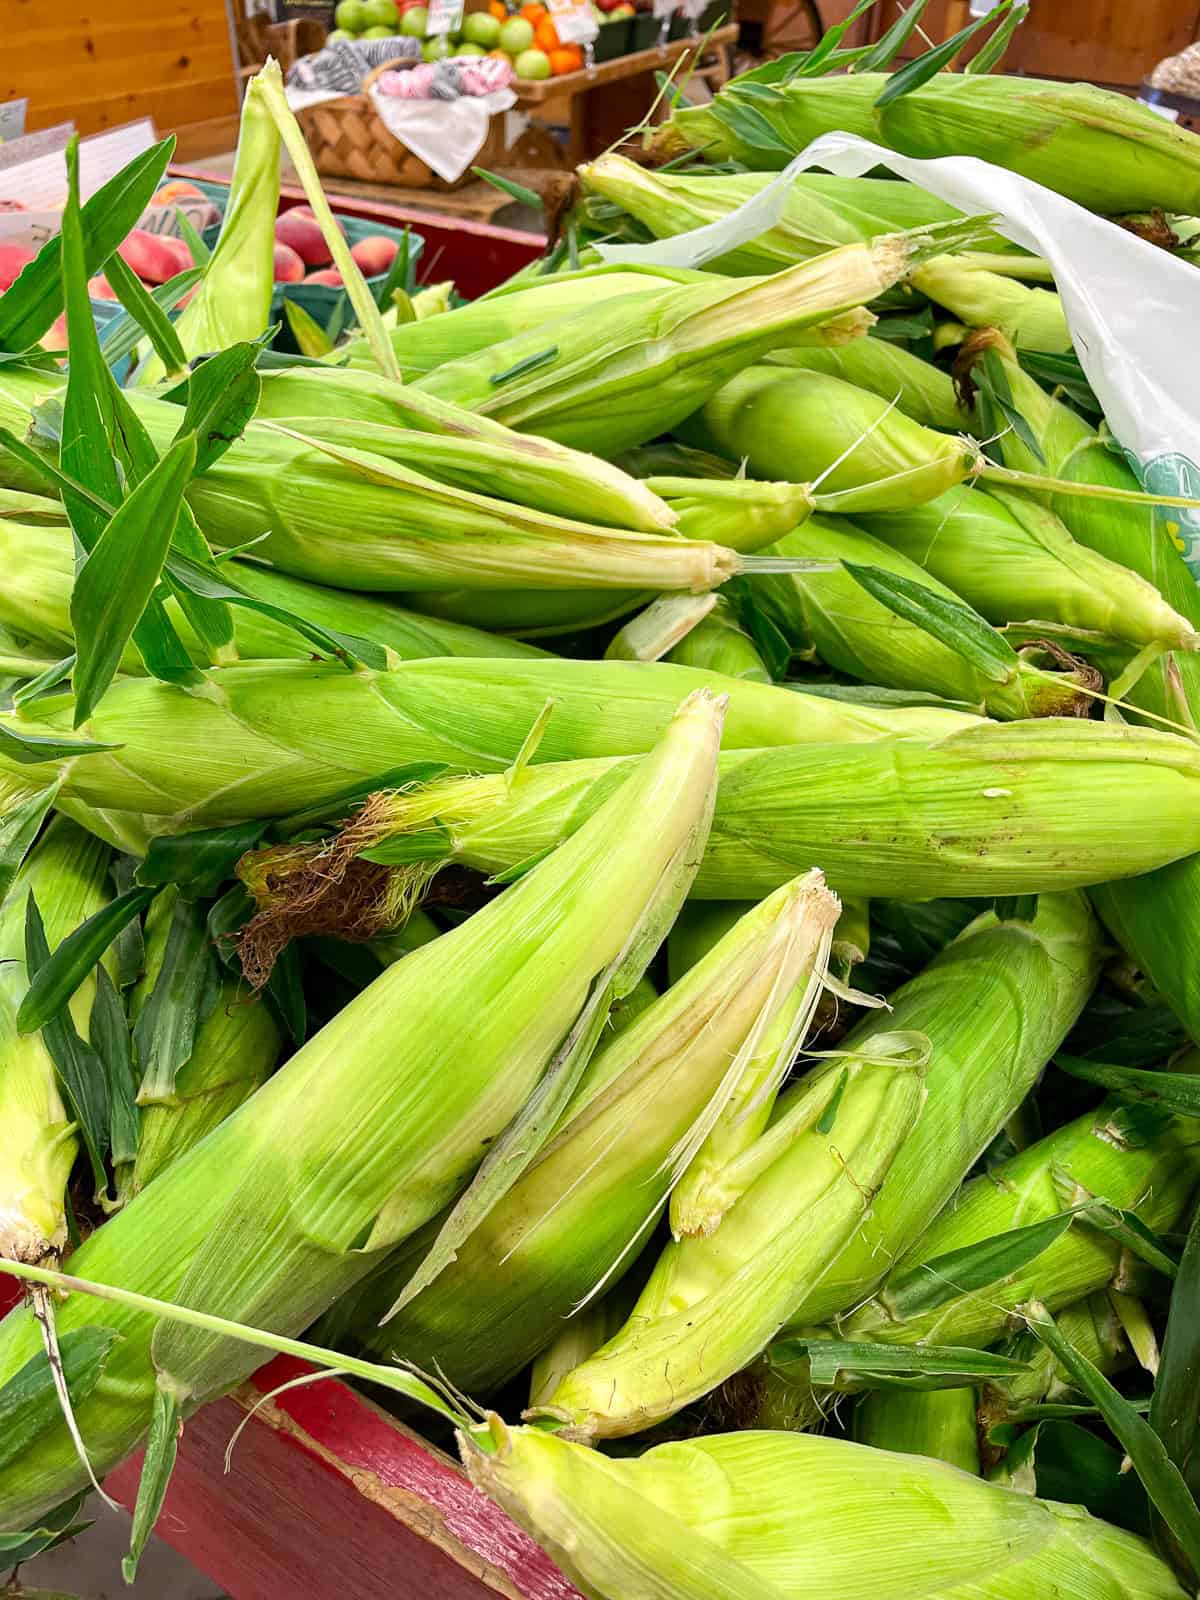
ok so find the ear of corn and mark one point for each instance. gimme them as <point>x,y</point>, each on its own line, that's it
<point>614,376</point>
<point>842,440</point>
<point>939,1423</point>
<point>994,810</point>
<point>36,604</point>
<point>67,875</point>
<point>236,1046</point>
<point>268,1219</point>
<point>271,737</point>
<point>528,613</point>
<point>994,1006</point>
<point>859,635</point>
<point>714,1518</point>
<point>1091,1326</point>
<point>579,1215</point>
<point>1013,560</point>
<point>712,1303</point>
<point>720,644</point>
<point>1032,318</point>
<point>1092,145</point>
<point>921,391</point>
<point>428,343</point>
<point>821,211</point>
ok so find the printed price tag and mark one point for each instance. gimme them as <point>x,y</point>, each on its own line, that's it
<point>574,20</point>
<point>445,16</point>
<point>12,119</point>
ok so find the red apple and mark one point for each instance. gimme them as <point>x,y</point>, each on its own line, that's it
<point>289,268</point>
<point>375,254</point>
<point>14,258</point>
<point>327,275</point>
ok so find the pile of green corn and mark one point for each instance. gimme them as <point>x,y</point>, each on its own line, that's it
<point>624,850</point>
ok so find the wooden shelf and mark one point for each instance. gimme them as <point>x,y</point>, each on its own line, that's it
<point>607,72</point>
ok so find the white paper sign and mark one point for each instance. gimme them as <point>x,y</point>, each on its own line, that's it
<point>12,119</point>
<point>574,21</point>
<point>445,16</point>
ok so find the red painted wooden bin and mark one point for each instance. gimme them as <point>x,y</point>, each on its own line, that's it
<point>326,1496</point>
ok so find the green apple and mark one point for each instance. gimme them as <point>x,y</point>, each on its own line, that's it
<point>481,28</point>
<point>515,35</point>
<point>467,48</point>
<point>351,15</point>
<point>436,49</point>
<point>337,36</point>
<point>378,32</point>
<point>414,22</point>
<point>532,64</point>
<point>381,14</point>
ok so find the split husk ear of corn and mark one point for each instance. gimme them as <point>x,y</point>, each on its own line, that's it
<point>66,873</point>
<point>1095,146</point>
<point>1013,560</point>
<point>714,1518</point>
<point>614,376</point>
<point>720,644</point>
<point>852,631</point>
<point>1032,318</point>
<point>983,1018</point>
<point>268,738</point>
<point>580,1214</point>
<point>792,1205</point>
<point>994,810</point>
<point>285,1205</point>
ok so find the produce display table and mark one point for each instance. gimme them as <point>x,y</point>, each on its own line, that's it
<point>596,121</point>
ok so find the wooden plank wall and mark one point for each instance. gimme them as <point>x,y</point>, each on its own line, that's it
<point>105,62</point>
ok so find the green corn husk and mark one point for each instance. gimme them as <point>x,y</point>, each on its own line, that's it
<point>939,1423</point>
<point>1130,1157</point>
<point>286,1204</point>
<point>698,1201</point>
<point>993,810</point>
<point>1013,560</point>
<point>720,644</point>
<point>455,446</point>
<point>580,1213</point>
<point>1091,1326</point>
<point>1095,146</point>
<point>233,299</point>
<point>611,377</point>
<point>712,1303</point>
<point>741,515</point>
<point>423,345</point>
<point>1032,318</point>
<point>993,1007</point>
<point>586,1331</point>
<point>821,211</point>
<point>67,873</point>
<point>921,391</point>
<point>236,1048</point>
<point>268,738</point>
<point>851,631</point>
<point>36,604</point>
<point>716,1518</point>
<point>1156,923</point>
<point>796,424</point>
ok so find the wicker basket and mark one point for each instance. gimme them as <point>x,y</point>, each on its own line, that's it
<point>349,140</point>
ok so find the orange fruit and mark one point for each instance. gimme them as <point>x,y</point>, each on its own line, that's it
<point>533,11</point>
<point>566,58</point>
<point>545,36</point>
<point>498,9</point>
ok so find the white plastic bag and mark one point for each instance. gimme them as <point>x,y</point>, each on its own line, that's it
<point>1133,309</point>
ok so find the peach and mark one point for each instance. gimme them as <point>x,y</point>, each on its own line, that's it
<point>154,259</point>
<point>303,236</point>
<point>178,189</point>
<point>99,288</point>
<point>14,258</point>
<point>307,211</point>
<point>289,268</point>
<point>375,254</point>
<point>328,275</point>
